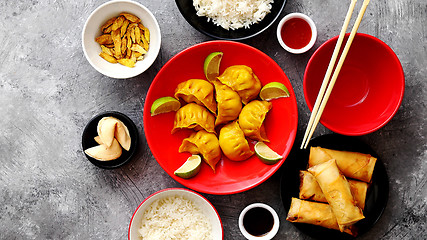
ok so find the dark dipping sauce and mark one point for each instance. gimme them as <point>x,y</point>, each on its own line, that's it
<point>296,33</point>
<point>258,221</point>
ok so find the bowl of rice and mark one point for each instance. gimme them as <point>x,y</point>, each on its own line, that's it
<point>175,213</point>
<point>232,19</point>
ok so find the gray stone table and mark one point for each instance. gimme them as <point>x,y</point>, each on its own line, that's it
<point>48,92</point>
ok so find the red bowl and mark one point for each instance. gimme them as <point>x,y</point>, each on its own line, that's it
<point>369,88</point>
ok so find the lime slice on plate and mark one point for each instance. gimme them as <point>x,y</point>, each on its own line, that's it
<point>164,105</point>
<point>211,65</point>
<point>265,154</point>
<point>273,90</point>
<point>190,168</point>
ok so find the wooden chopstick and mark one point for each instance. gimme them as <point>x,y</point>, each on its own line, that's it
<point>324,98</point>
<point>329,71</point>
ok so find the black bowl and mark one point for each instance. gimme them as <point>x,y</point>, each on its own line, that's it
<point>209,28</point>
<point>90,132</point>
<point>376,199</point>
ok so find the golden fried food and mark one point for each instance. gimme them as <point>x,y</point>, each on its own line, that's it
<point>124,40</point>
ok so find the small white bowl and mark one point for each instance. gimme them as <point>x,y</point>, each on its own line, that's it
<point>202,203</point>
<point>91,30</point>
<point>313,32</point>
<point>271,233</point>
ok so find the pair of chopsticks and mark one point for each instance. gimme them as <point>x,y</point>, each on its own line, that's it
<point>322,97</point>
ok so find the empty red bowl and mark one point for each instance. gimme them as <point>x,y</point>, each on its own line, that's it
<point>368,90</point>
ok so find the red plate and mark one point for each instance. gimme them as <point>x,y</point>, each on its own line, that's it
<point>230,177</point>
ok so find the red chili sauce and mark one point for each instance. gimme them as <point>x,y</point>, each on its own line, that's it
<point>296,33</point>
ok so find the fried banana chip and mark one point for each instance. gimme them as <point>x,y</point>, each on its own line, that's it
<point>130,17</point>
<point>104,39</point>
<point>123,47</point>
<point>108,29</point>
<point>144,43</point>
<point>138,48</point>
<point>118,23</point>
<point>138,35</point>
<point>124,28</point>
<point>107,57</point>
<point>146,32</point>
<point>132,56</point>
<point>108,23</point>
<point>106,50</point>
<point>115,34</point>
<point>132,35</point>
<point>128,53</point>
<point>126,62</point>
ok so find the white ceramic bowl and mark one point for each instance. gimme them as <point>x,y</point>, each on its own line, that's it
<point>310,23</point>
<point>202,203</point>
<point>91,30</point>
<point>271,233</point>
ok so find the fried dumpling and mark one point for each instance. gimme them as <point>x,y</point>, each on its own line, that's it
<point>251,120</point>
<point>199,91</point>
<point>204,143</point>
<point>194,116</point>
<point>242,80</point>
<point>229,103</point>
<point>233,142</point>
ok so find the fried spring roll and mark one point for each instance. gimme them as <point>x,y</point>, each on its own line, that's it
<point>310,189</point>
<point>352,164</point>
<point>337,192</point>
<point>320,214</point>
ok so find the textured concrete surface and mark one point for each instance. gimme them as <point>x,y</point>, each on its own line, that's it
<point>48,92</point>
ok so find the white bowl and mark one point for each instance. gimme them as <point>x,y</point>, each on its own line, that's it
<point>267,236</point>
<point>91,30</point>
<point>310,23</point>
<point>202,203</point>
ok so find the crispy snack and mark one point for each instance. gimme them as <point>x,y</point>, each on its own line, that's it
<point>124,39</point>
<point>130,17</point>
<point>115,34</point>
<point>107,57</point>
<point>108,24</point>
<point>118,23</point>
<point>104,39</point>
<point>124,27</point>
<point>127,62</point>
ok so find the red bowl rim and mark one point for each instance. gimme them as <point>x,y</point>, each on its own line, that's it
<point>182,189</point>
<point>402,88</point>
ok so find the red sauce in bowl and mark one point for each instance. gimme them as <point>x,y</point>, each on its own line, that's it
<point>296,33</point>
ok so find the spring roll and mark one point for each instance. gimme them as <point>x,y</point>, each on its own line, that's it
<point>352,164</point>
<point>316,213</point>
<point>337,192</point>
<point>310,189</point>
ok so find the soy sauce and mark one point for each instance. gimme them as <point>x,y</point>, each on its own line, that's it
<point>258,221</point>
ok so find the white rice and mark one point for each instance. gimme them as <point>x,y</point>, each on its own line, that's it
<point>174,218</point>
<point>233,14</point>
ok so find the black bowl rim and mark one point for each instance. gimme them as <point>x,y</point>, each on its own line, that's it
<point>242,36</point>
<point>87,140</point>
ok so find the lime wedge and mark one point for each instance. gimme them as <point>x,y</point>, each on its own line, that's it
<point>190,168</point>
<point>265,154</point>
<point>164,105</point>
<point>211,65</point>
<point>273,90</point>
